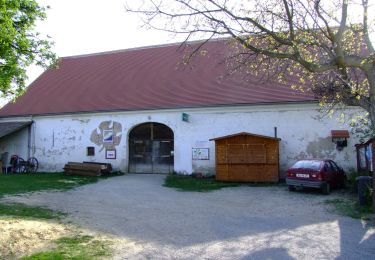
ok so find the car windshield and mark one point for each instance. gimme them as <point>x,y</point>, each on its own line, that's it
<point>314,165</point>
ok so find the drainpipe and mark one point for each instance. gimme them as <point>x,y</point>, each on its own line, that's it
<point>29,139</point>
<point>278,155</point>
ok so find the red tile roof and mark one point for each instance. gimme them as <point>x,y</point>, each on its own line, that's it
<point>144,78</point>
<point>340,133</point>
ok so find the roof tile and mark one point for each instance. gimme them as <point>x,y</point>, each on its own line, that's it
<point>145,78</point>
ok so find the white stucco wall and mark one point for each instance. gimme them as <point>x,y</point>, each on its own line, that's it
<point>62,138</point>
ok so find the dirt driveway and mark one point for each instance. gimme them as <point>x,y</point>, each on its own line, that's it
<point>156,222</point>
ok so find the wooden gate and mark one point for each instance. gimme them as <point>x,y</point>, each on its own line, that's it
<point>151,149</point>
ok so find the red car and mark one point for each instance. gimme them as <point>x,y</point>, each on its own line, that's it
<point>321,174</point>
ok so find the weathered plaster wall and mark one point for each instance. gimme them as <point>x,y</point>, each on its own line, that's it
<point>59,139</point>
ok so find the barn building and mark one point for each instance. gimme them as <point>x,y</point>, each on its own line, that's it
<point>145,111</point>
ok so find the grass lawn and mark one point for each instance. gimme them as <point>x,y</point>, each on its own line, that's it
<point>24,211</point>
<point>189,183</point>
<point>21,183</point>
<point>77,247</point>
<point>350,207</point>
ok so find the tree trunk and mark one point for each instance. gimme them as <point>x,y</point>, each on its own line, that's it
<point>371,110</point>
<point>371,107</point>
<point>373,175</point>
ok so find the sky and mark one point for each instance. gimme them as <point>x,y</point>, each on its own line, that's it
<point>89,26</point>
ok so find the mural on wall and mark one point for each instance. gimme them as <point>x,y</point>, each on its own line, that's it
<point>107,135</point>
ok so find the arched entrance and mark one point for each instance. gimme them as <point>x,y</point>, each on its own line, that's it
<point>151,149</point>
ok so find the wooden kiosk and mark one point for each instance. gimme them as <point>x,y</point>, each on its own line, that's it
<point>246,157</point>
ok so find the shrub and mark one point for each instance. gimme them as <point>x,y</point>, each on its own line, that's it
<point>351,179</point>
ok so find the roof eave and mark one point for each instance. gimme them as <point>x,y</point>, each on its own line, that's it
<point>160,108</point>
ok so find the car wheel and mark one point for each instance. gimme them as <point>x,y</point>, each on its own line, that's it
<point>291,188</point>
<point>326,189</point>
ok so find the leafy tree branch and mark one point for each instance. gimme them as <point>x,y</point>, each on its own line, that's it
<point>20,44</point>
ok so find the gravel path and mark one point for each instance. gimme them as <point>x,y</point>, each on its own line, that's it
<point>152,221</point>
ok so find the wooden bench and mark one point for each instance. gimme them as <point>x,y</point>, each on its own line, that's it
<point>87,168</point>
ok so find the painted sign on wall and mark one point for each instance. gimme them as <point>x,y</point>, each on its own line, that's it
<point>201,153</point>
<point>107,135</point>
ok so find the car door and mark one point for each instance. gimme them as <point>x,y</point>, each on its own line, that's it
<point>338,175</point>
<point>328,170</point>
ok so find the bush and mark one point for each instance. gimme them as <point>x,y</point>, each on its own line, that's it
<point>368,195</point>
<point>351,179</point>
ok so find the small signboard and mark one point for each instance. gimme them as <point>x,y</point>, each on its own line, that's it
<point>185,117</point>
<point>110,154</point>
<point>201,153</point>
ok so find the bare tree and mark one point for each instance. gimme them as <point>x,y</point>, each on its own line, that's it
<point>321,44</point>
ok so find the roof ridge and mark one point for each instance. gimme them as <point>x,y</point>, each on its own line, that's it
<point>142,48</point>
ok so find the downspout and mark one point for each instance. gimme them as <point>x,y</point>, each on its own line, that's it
<point>278,153</point>
<point>29,139</point>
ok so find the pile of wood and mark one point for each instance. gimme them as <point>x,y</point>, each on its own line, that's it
<point>87,168</point>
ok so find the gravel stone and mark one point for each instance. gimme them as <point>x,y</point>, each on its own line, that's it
<point>155,222</point>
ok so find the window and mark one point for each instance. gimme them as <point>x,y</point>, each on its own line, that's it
<point>90,151</point>
<point>334,166</point>
<point>329,167</point>
<point>314,165</point>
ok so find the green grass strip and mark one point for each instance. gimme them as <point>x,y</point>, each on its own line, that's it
<point>77,248</point>
<point>11,184</point>
<point>350,208</point>
<point>21,183</point>
<point>24,211</point>
<point>188,183</point>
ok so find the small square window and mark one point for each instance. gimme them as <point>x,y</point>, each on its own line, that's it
<point>90,151</point>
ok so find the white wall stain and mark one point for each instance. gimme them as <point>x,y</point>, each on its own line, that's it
<point>83,121</point>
